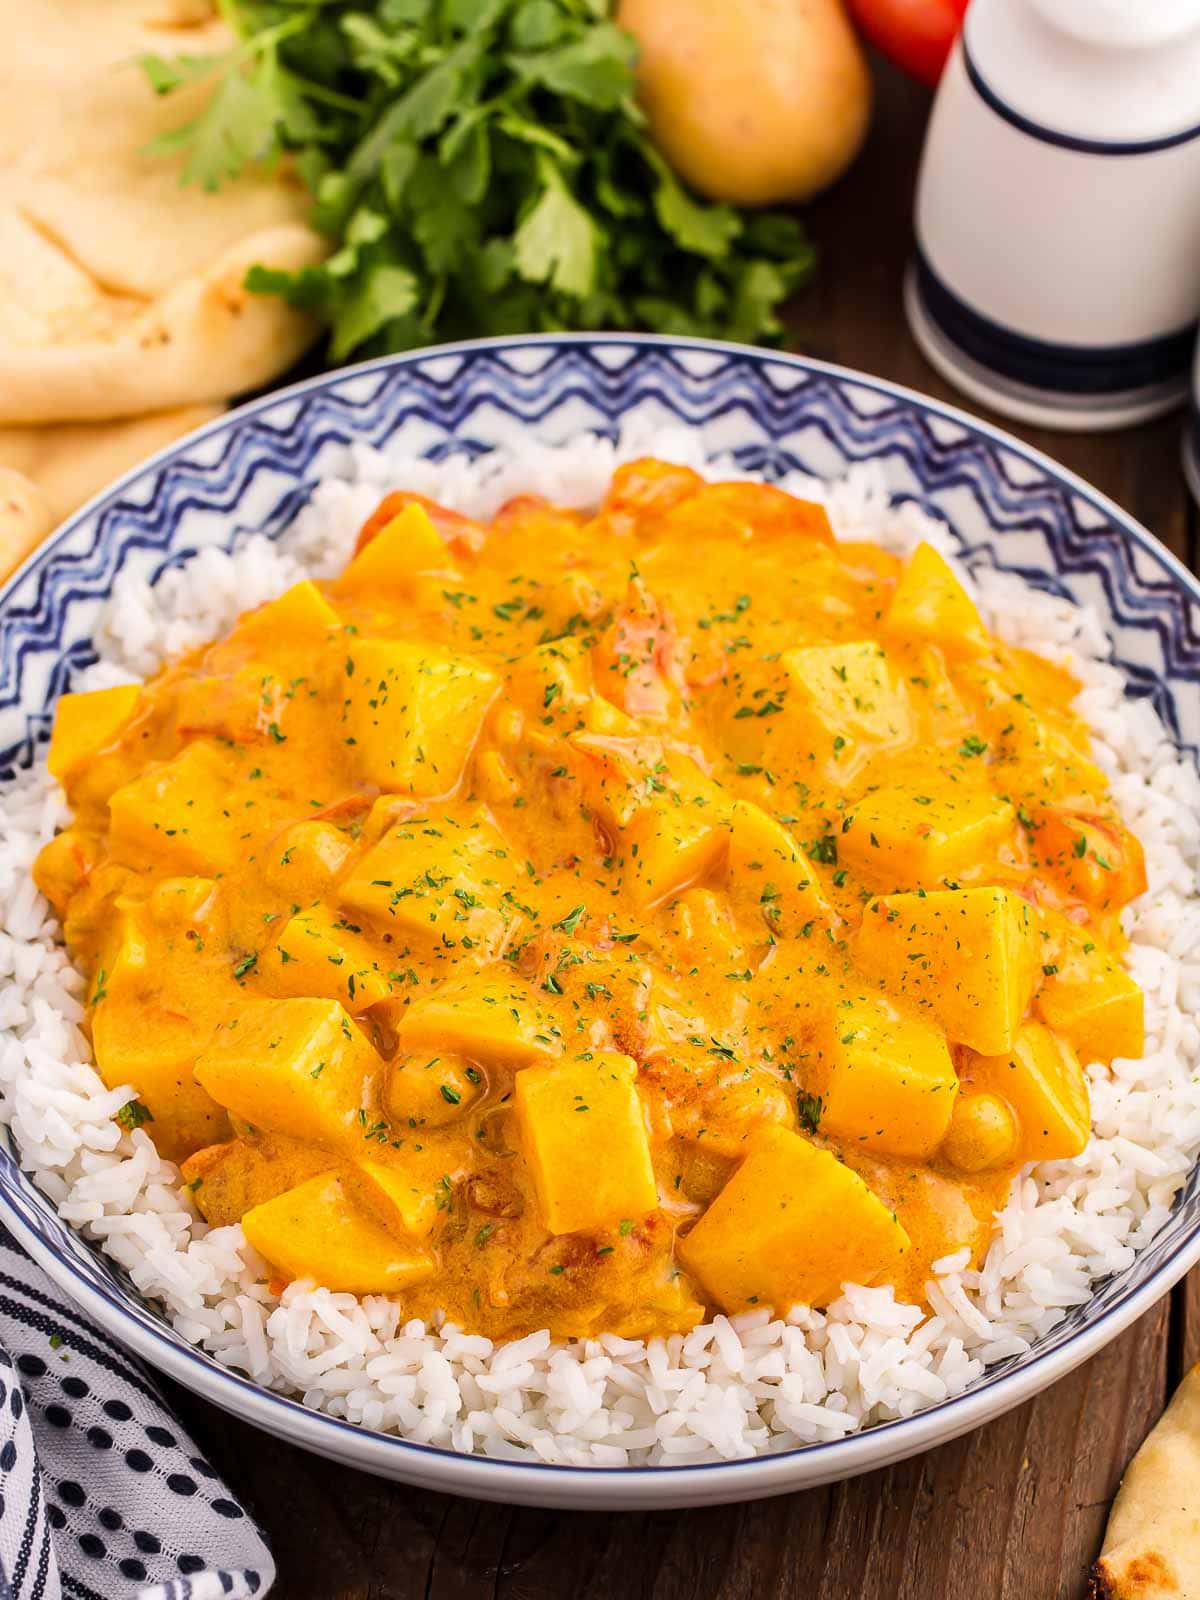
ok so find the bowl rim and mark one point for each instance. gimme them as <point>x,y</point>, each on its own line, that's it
<point>545,1483</point>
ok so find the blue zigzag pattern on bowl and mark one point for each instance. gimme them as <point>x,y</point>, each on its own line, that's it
<point>1008,508</point>
<point>1005,510</point>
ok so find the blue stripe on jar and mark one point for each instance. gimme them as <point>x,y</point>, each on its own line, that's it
<point>1060,368</point>
<point>1067,141</point>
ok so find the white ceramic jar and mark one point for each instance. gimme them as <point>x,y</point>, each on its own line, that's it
<point>1191,433</point>
<point>1057,270</point>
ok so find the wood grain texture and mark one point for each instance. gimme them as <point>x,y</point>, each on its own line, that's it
<point>1013,1512</point>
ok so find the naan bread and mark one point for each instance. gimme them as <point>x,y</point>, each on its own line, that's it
<point>25,519</point>
<point>1152,1547</point>
<point>46,473</point>
<point>120,290</point>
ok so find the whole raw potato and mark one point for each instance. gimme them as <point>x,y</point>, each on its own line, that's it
<point>751,101</point>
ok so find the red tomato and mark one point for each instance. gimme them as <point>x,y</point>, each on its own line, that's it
<point>916,34</point>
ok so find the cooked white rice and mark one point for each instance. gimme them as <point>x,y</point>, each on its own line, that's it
<point>735,1387</point>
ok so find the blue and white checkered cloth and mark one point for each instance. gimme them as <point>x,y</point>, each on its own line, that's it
<point>103,1494</point>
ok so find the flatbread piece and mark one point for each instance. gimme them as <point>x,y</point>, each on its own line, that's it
<point>46,473</point>
<point>1152,1546</point>
<point>121,290</point>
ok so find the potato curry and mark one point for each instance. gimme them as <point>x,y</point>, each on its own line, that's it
<point>587,921</point>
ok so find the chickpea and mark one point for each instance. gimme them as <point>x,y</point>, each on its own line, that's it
<point>748,1100</point>
<point>704,1173</point>
<point>429,1092</point>
<point>983,1133</point>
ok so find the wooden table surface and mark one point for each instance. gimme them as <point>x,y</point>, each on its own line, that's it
<point>1015,1511</point>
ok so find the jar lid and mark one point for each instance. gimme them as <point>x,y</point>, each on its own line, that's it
<point>1121,24</point>
<point>1113,73</point>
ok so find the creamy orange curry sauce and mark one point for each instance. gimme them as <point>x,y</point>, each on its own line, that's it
<point>589,921</point>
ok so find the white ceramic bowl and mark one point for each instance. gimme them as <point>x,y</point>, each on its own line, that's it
<point>1009,506</point>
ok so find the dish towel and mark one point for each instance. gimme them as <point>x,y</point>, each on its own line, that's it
<point>103,1494</point>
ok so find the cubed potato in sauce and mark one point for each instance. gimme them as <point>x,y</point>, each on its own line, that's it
<point>887,1081</point>
<point>315,1231</point>
<point>585,1140</point>
<point>966,956</point>
<point>603,916</point>
<point>790,1228</point>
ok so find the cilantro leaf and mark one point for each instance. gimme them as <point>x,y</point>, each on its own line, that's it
<point>706,230</point>
<point>442,223</point>
<point>556,243</point>
<point>237,128</point>
<point>307,290</point>
<point>479,167</point>
<point>381,294</point>
<point>594,68</point>
<point>165,75</point>
<point>758,288</point>
<point>536,25</point>
<point>423,110</point>
<point>466,155</point>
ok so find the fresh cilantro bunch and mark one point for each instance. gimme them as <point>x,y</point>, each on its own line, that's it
<point>482,168</point>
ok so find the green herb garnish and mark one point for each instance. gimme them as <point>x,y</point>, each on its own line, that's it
<point>808,1110</point>
<point>133,1114</point>
<point>480,167</point>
